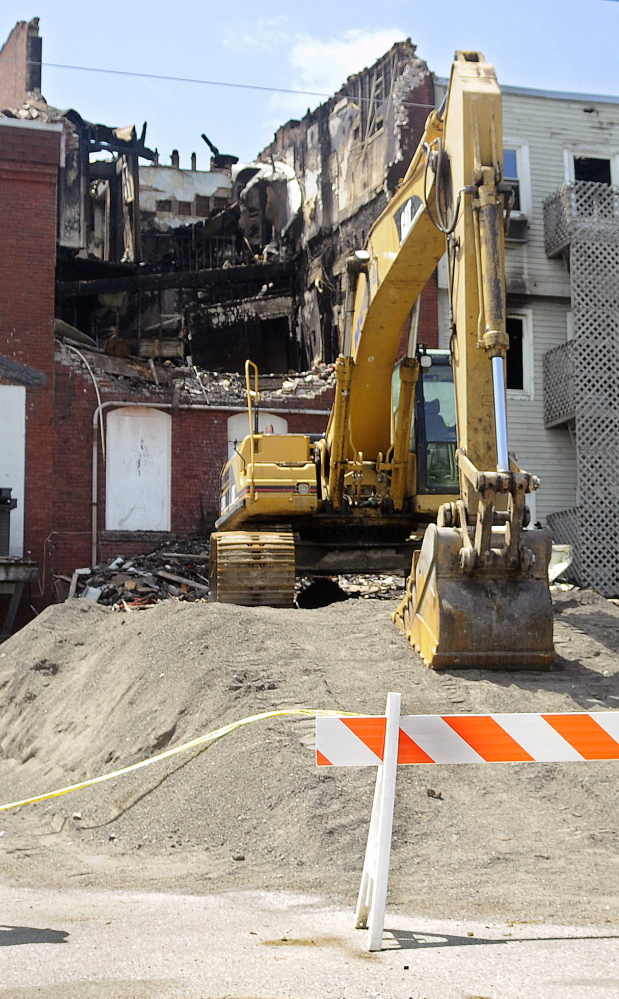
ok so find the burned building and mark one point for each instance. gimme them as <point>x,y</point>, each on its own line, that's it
<point>141,244</point>
<point>349,156</point>
<point>112,439</point>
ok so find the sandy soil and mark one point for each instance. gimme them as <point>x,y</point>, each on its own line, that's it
<point>84,690</point>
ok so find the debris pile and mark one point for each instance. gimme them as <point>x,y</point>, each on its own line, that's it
<point>175,571</point>
<point>179,571</point>
<point>373,587</point>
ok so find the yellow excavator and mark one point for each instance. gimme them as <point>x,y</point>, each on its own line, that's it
<point>415,461</point>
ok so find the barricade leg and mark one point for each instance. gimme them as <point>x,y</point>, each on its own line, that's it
<point>372,899</point>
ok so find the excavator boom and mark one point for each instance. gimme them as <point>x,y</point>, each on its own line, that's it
<point>478,593</point>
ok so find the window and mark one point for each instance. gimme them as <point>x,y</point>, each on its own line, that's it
<point>164,206</point>
<point>590,165</point>
<point>516,174</point>
<point>184,207</point>
<point>203,204</point>
<point>515,365</point>
<point>590,168</point>
<point>510,175</point>
<point>519,361</point>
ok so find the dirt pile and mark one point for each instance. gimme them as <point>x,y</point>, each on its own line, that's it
<point>84,690</point>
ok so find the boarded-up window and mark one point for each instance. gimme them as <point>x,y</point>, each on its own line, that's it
<point>138,470</point>
<point>13,457</point>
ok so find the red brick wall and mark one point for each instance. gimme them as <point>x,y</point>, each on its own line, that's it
<point>29,159</point>
<point>199,449</point>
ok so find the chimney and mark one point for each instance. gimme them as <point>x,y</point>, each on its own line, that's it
<point>20,65</point>
<point>175,159</point>
<point>194,161</point>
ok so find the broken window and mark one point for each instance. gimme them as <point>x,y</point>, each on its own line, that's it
<point>592,169</point>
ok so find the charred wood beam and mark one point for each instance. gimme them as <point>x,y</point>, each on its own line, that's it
<point>259,273</point>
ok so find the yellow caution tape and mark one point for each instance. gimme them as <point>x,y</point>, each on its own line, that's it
<point>219,733</point>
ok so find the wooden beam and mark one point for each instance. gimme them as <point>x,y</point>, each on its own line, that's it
<point>262,273</point>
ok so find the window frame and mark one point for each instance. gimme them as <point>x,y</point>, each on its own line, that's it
<point>569,152</point>
<point>521,148</point>
<point>528,375</point>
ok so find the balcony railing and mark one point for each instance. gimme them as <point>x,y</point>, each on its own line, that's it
<point>583,210</point>
<point>559,385</point>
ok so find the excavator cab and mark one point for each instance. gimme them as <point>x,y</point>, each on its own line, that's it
<point>434,425</point>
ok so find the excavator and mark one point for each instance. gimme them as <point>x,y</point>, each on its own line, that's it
<point>414,467</point>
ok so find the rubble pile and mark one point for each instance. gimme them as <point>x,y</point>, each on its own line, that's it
<point>178,571</point>
<point>218,387</point>
<point>373,587</point>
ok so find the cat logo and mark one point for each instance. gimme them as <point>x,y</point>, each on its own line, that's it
<point>405,216</point>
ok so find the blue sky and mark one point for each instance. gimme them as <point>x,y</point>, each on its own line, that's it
<point>571,46</point>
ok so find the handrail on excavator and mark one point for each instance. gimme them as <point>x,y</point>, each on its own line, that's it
<point>252,395</point>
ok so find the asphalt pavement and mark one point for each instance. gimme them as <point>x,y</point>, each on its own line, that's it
<point>79,944</point>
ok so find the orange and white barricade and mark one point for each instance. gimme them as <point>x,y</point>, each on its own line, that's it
<point>393,739</point>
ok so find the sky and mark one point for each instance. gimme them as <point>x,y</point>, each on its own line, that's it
<point>311,45</point>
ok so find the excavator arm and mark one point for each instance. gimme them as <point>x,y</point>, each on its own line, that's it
<point>478,594</point>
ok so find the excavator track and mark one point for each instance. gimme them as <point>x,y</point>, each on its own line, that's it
<point>252,568</point>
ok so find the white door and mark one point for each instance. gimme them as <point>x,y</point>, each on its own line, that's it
<point>13,458</point>
<point>138,469</point>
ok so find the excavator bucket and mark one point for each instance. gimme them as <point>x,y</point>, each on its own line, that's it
<point>492,618</point>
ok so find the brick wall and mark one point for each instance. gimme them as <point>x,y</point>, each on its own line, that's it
<point>199,449</point>
<point>18,76</point>
<point>29,159</point>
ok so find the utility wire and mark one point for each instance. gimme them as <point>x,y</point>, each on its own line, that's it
<point>208,83</point>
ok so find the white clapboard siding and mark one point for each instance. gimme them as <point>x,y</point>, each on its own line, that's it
<point>547,124</point>
<point>550,125</point>
<point>550,454</point>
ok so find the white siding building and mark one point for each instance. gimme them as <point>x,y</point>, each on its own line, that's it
<point>549,139</point>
